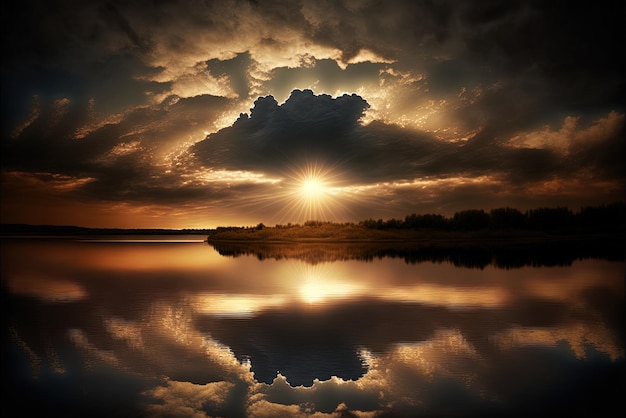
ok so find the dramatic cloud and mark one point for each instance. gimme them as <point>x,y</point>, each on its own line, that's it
<point>307,127</point>
<point>419,106</point>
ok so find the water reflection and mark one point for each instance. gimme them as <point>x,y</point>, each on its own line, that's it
<point>462,253</point>
<point>175,329</point>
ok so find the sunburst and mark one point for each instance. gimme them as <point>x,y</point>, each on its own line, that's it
<point>312,193</point>
<point>306,191</point>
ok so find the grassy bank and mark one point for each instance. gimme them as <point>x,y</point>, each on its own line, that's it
<point>328,232</point>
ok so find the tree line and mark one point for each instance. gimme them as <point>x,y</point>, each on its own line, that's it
<point>609,217</point>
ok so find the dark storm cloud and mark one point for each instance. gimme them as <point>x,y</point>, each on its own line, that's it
<point>76,50</point>
<point>545,51</point>
<point>119,157</point>
<point>569,46</point>
<point>545,58</point>
<point>52,142</point>
<point>305,126</point>
<point>309,127</point>
<point>384,27</point>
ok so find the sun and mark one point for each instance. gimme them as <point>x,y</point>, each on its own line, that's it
<point>311,193</point>
<point>308,191</point>
<point>314,196</point>
<point>312,188</point>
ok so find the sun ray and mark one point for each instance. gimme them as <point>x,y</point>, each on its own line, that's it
<point>312,193</point>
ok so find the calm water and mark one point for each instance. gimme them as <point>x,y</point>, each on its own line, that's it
<point>175,329</point>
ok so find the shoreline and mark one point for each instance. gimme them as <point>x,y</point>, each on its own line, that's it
<point>412,239</point>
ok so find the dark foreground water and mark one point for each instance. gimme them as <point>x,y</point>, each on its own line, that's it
<point>172,328</point>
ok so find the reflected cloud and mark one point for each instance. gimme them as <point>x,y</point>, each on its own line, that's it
<point>451,297</point>
<point>321,398</point>
<point>409,376</point>
<point>185,399</point>
<point>45,287</point>
<point>95,354</point>
<point>34,359</point>
<point>169,329</point>
<point>256,338</point>
<point>126,331</point>
<point>442,354</point>
<point>239,306</point>
<point>579,337</point>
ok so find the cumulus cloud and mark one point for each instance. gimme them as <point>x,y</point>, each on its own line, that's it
<point>321,128</point>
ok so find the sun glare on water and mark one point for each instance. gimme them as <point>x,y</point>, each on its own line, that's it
<point>323,287</point>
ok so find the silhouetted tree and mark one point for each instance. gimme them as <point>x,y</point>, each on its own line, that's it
<point>428,221</point>
<point>368,223</point>
<point>547,219</point>
<point>393,223</point>
<point>604,216</point>
<point>507,218</point>
<point>471,219</point>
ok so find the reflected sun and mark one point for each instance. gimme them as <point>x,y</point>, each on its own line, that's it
<point>320,285</point>
<point>319,291</point>
<point>311,293</point>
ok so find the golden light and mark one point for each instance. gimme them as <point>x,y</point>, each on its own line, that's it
<point>311,193</point>
<point>307,191</point>
<point>312,188</point>
<point>320,285</point>
<point>317,290</point>
<point>236,305</point>
<point>312,293</point>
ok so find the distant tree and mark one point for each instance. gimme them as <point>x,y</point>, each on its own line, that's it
<point>546,219</point>
<point>507,218</point>
<point>369,224</point>
<point>313,223</point>
<point>428,221</point>
<point>604,216</point>
<point>392,223</point>
<point>471,219</point>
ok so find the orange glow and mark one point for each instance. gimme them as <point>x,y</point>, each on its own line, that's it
<point>579,336</point>
<point>320,284</point>
<point>45,287</point>
<point>452,297</point>
<point>312,188</point>
<point>311,194</point>
<point>239,306</point>
<point>314,197</point>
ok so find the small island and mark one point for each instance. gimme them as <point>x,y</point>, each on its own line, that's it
<point>506,238</point>
<point>468,225</point>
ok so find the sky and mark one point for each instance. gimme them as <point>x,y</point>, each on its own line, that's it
<point>197,114</point>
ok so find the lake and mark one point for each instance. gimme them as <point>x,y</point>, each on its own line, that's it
<point>176,327</point>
